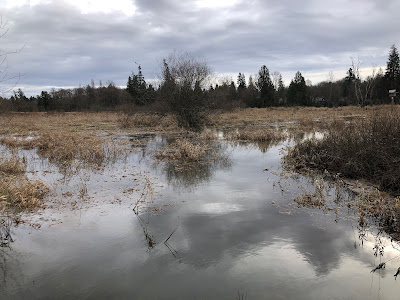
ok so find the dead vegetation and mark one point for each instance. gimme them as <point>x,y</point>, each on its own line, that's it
<point>62,147</point>
<point>184,150</point>
<point>362,149</point>
<point>16,190</point>
<point>315,199</point>
<point>159,122</point>
<point>11,164</point>
<point>293,118</point>
<point>365,153</point>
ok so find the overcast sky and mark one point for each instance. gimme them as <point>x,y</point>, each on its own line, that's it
<point>69,42</point>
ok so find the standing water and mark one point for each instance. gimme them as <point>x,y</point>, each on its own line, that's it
<point>224,229</point>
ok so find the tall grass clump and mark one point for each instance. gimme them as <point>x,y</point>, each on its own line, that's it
<point>184,150</point>
<point>63,147</point>
<point>16,190</point>
<point>366,149</point>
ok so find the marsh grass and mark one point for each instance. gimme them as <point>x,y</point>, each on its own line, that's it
<point>315,199</point>
<point>16,190</point>
<point>11,164</point>
<point>64,147</point>
<point>364,152</point>
<point>363,149</point>
<point>294,118</point>
<point>184,150</point>
<point>159,122</point>
<point>21,193</point>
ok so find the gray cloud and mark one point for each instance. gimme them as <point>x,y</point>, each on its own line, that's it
<point>64,47</point>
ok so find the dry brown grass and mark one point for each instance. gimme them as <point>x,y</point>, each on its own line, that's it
<point>362,149</point>
<point>63,147</point>
<point>17,191</point>
<point>20,192</point>
<point>12,164</point>
<point>185,150</point>
<point>26,123</point>
<point>148,120</point>
<point>304,118</point>
<point>62,137</point>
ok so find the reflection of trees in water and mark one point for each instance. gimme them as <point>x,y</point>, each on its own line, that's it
<point>184,174</point>
<point>11,275</point>
<point>6,223</point>
<point>187,175</point>
<point>263,146</point>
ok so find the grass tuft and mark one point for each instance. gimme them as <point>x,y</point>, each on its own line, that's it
<point>184,150</point>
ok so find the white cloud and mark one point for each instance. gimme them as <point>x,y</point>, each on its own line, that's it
<point>84,6</point>
<point>216,3</point>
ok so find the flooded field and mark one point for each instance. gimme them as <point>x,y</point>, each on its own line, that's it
<point>231,226</point>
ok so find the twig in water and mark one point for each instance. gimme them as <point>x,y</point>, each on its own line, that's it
<point>170,248</point>
<point>397,273</point>
<point>380,266</point>
<point>166,241</point>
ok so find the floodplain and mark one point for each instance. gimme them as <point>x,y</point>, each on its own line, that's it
<point>254,206</point>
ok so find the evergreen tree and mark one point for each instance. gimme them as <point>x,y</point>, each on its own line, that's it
<point>297,92</point>
<point>347,84</point>
<point>265,87</point>
<point>44,101</point>
<point>232,93</point>
<point>280,93</point>
<point>392,74</point>
<point>241,81</point>
<point>136,87</point>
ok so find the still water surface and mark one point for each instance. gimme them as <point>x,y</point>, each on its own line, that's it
<point>236,234</point>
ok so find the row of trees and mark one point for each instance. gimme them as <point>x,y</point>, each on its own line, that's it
<point>184,88</point>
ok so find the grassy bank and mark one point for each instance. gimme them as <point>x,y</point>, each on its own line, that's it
<point>365,149</point>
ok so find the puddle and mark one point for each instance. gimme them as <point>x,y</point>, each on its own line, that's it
<point>215,230</point>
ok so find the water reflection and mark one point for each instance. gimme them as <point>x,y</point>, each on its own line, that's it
<point>228,230</point>
<point>183,175</point>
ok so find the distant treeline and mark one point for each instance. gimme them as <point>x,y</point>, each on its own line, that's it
<point>184,84</point>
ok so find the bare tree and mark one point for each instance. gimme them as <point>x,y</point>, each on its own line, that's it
<point>4,77</point>
<point>183,79</point>
<point>187,70</point>
<point>276,76</point>
<point>362,89</point>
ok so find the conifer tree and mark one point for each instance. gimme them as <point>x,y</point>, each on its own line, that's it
<point>297,92</point>
<point>265,87</point>
<point>241,81</point>
<point>392,74</point>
